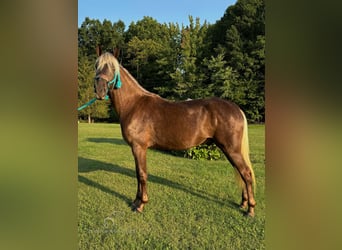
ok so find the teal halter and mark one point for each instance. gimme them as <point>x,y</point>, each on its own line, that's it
<point>116,82</point>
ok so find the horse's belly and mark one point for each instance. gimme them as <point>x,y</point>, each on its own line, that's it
<point>180,139</point>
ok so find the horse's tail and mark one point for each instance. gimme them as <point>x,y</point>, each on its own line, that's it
<point>245,154</point>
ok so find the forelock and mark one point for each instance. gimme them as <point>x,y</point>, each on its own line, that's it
<point>109,60</point>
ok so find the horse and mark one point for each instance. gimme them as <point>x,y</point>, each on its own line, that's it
<point>150,121</point>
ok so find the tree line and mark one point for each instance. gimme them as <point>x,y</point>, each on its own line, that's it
<point>225,59</point>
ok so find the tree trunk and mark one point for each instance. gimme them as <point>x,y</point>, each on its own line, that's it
<point>89,119</point>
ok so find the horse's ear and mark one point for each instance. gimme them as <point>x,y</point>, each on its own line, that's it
<point>98,50</point>
<point>116,52</point>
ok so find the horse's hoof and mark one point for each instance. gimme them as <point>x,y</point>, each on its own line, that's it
<point>137,208</point>
<point>242,206</point>
<point>140,208</point>
<point>249,215</point>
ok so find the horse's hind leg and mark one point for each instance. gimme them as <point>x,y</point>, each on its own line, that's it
<point>236,159</point>
<point>247,177</point>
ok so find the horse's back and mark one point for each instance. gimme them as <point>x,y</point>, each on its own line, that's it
<point>218,108</point>
<point>180,125</point>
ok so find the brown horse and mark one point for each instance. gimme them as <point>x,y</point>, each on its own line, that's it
<point>149,121</point>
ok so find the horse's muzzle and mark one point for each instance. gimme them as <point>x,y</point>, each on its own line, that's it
<point>100,97</point>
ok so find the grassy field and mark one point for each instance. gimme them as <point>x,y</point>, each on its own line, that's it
<point>192,204</point>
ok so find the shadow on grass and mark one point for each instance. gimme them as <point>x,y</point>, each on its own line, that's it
<point>103,188</point>
<point>115,141</point>
<point>89,165</point>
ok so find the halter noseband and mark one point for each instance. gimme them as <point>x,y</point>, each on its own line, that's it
<point>116,82</point>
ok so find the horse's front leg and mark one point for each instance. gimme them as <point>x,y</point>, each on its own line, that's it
<point>139,154</point>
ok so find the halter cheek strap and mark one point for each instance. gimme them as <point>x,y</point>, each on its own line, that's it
<point>116,82</point>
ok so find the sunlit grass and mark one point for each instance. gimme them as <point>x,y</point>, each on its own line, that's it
<point>192,204</point>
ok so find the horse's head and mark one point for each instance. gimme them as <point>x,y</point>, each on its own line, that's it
<point>103,76</point>
<point>107,69</point>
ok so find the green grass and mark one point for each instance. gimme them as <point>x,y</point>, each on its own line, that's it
<point>192,204</point>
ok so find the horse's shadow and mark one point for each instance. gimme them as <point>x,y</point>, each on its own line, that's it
<point>115,141</point>
<point>88,165</point>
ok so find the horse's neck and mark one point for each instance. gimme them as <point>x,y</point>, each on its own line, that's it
<point>125,98</point>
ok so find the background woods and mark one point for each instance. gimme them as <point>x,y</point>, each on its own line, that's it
<point>225,59</point>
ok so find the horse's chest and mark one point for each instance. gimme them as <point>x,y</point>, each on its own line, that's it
<point>136,131</point>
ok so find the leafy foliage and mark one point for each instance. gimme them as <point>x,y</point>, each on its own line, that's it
<point>225,59</point>
<point>204,152</point>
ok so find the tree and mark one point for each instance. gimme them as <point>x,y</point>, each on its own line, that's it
<point>188,75</point>
<point>223,79</point>
<point>168,61</point>
<point>147,43</point>
<point>144,54</point>
<point>112,35</point>
<point>93,32</point>
<point>225,59</point>
<point>245,43</point>
<point>240,34</point>
<point>89,36</point>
